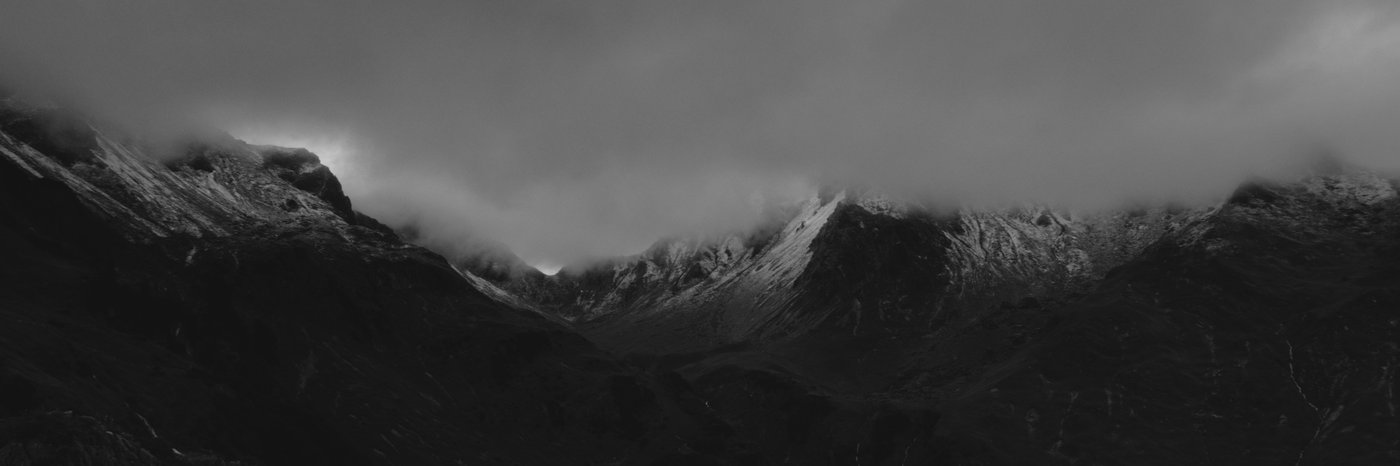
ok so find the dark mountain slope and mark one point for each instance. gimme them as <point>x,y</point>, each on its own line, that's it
<point>225,303</point>
<point>1265,334</point>
<point>203,308</point>
<point>841,263</point>
<point>1261,331</point>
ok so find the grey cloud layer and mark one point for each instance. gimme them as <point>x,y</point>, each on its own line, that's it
<point>576,129</point>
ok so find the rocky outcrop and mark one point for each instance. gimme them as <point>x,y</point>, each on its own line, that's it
<point>304,171</point>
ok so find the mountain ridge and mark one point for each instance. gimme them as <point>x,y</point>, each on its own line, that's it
<point>225,304</point>
<point>228,306</point>
<point>978,253</point>
<point>1155,335</point>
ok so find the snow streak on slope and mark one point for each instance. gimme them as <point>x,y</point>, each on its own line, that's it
<point>686,282</point>
<point>764,276</point>
<point>863,262</point>
<point>205,191</point>
<point>210,188</point>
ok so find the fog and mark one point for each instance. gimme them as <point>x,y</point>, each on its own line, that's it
<point>574,130</point>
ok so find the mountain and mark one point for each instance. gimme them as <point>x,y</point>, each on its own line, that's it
<point>214,302</point>
<point>208,301</point>
<point>1260,334</point>
<point>842,261</point>
<point>869,331</point>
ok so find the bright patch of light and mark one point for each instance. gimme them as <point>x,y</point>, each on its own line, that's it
<point>547,268</point>
<point>333,147</point>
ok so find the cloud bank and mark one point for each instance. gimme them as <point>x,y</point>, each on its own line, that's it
<point>571,130</point>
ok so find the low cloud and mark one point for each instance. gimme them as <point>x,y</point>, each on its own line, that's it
<point>570,130</point>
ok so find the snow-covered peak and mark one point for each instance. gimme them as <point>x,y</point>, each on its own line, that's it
<point>206,188</point>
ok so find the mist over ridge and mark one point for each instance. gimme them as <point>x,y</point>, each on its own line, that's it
<point>570,131</point>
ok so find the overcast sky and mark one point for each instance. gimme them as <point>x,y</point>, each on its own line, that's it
<point>572,129</point>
